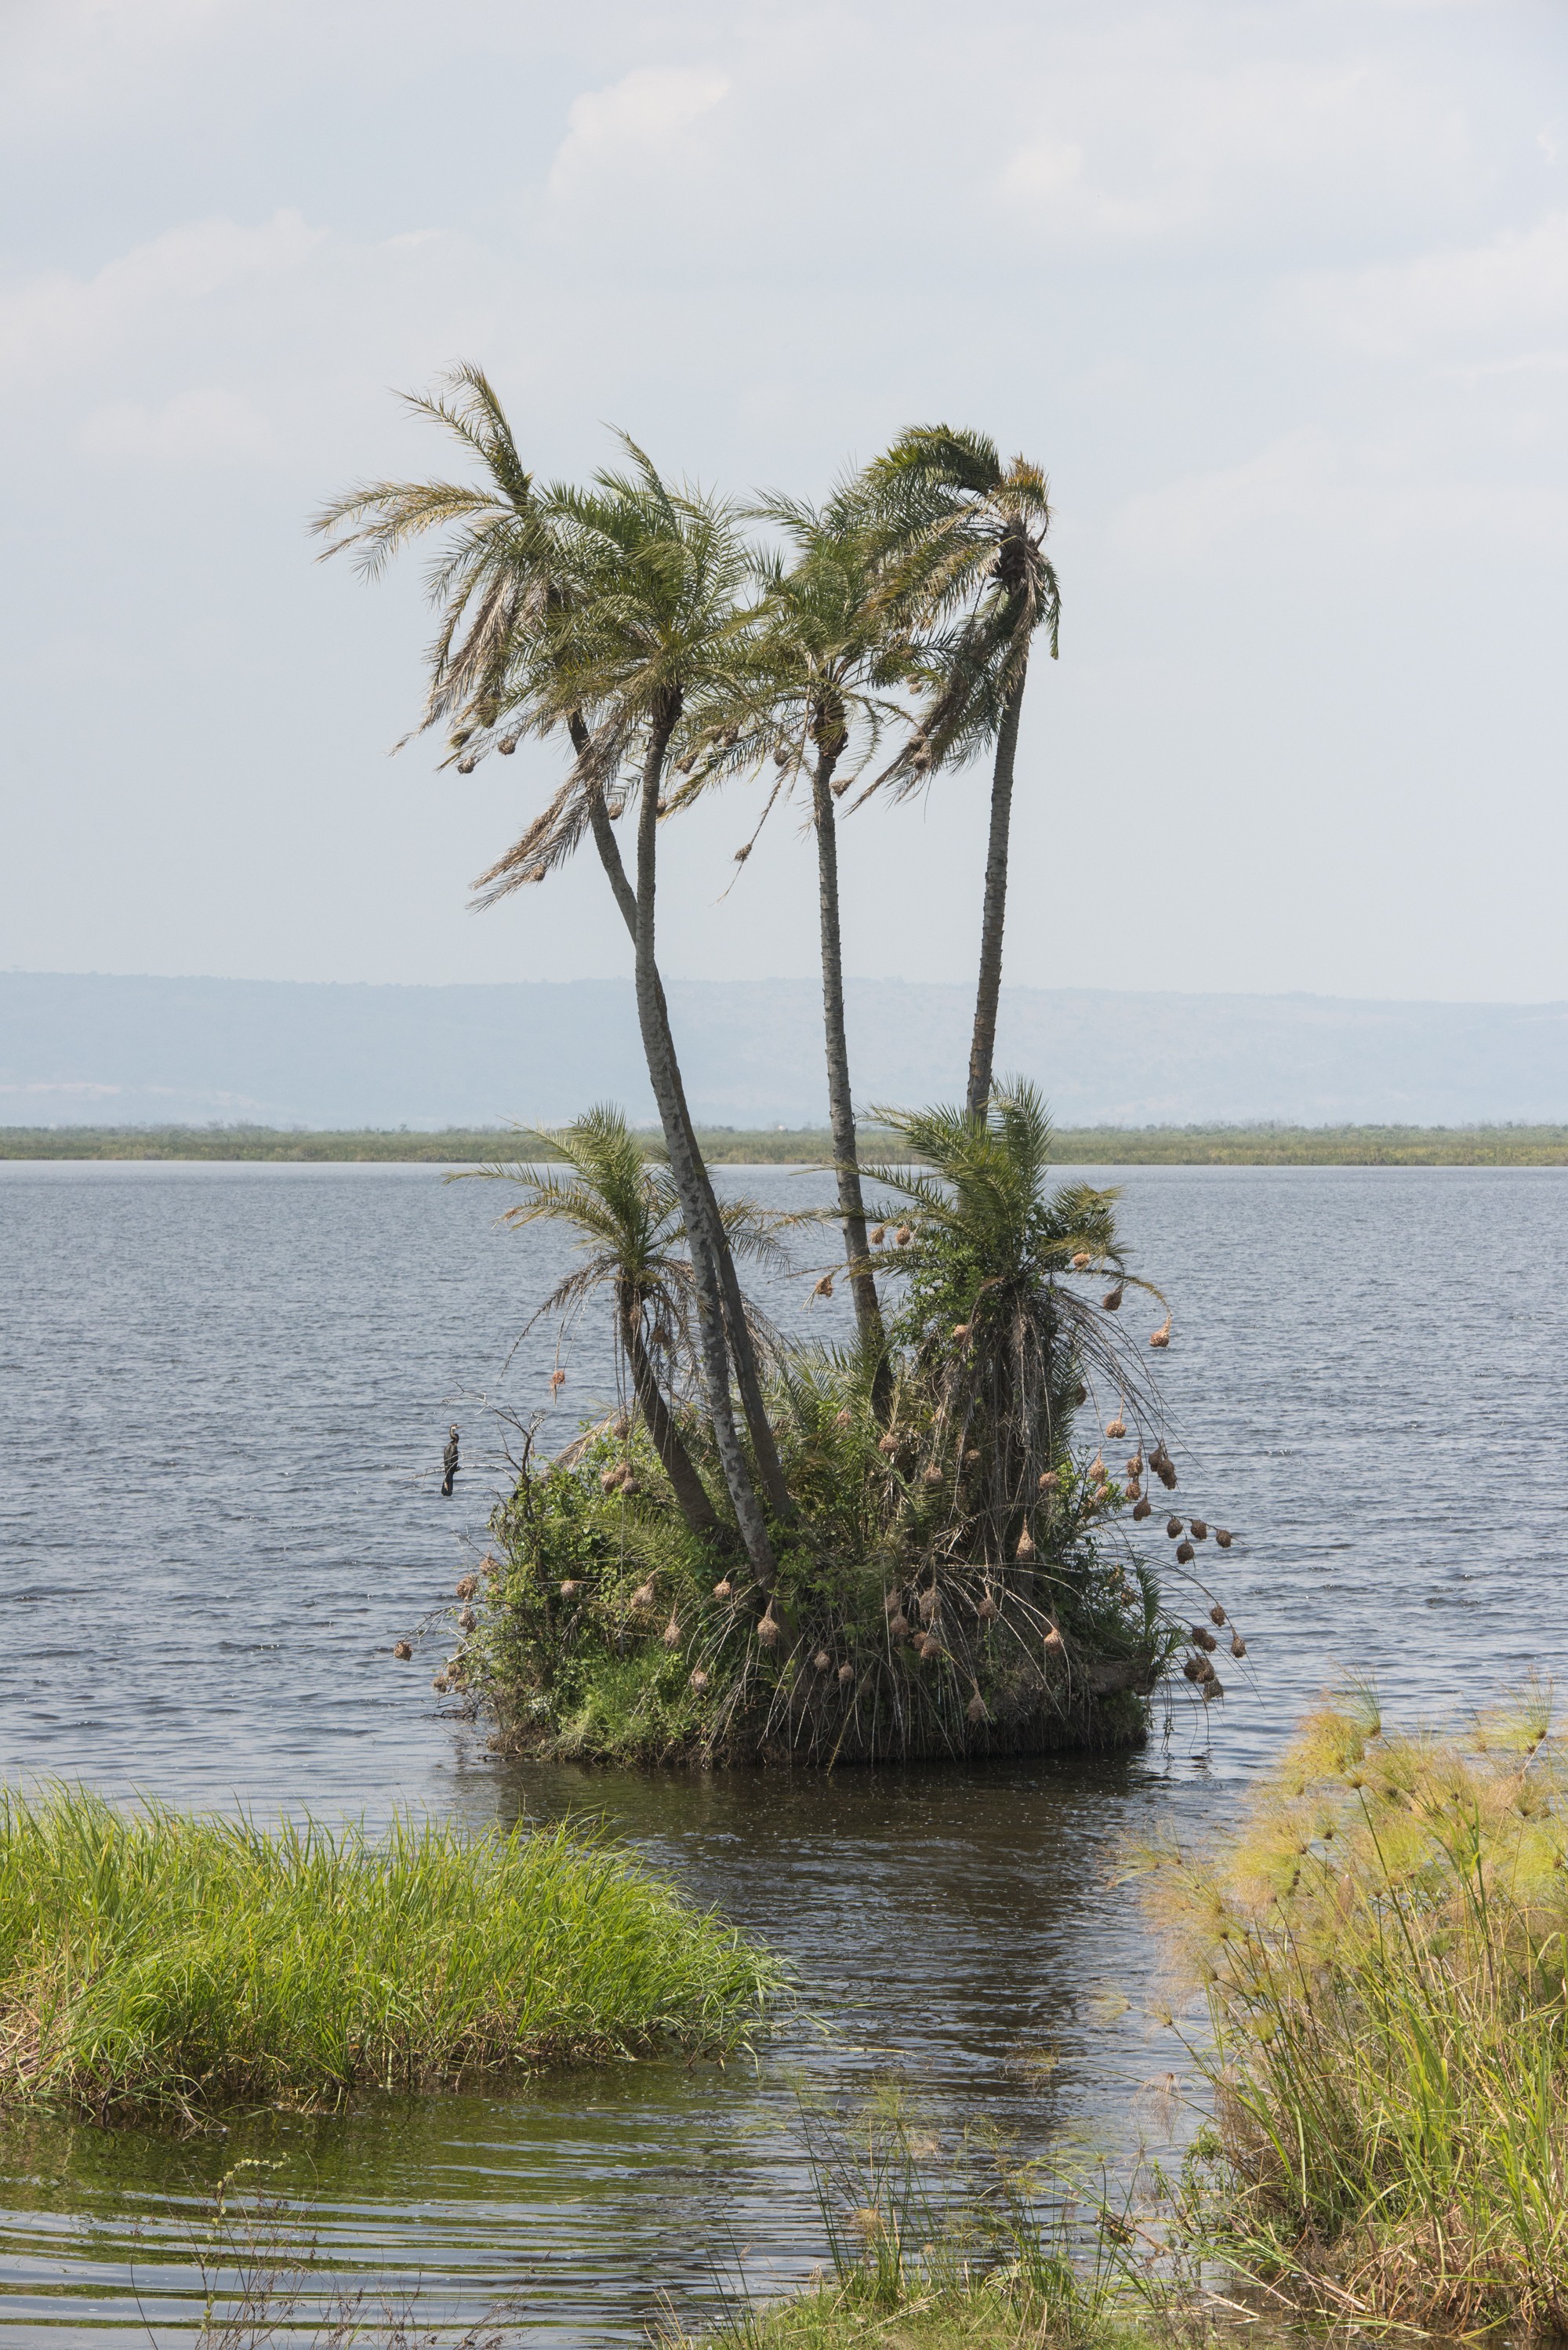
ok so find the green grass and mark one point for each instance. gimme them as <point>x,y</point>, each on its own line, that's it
<point>1384,1940</point>
<point>155,1959</point>
<point>1086,1146</point>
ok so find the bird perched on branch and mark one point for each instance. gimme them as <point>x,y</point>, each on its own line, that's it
<point>449,1463</point>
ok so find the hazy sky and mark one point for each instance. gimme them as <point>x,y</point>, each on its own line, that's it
<point>1277,292</point>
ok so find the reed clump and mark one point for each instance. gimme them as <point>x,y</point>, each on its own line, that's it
<point>152,1959</point>
<point>936,2239</point>
<point>1383,1944</point>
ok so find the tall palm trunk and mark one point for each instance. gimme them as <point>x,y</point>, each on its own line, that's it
<point>765,1444</point>
<point>690,1494</point>
<point>687,1171</point>
<point>993,915</point>
<point>840,1101</point>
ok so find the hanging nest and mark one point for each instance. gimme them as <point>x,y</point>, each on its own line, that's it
<point>972,1457</point>
<point>879,1235</point>
<point>557,1379</point>
<point>743,853</point>
<point>507,744</point>
<point>1224,1537</point>
<point>1117,1428</point>
<point>898,1626</point>
<point>468,1621</point>
<point>1080,1394</point>
<point>1161,1338</point>
<point>975,1710</point>
<point>1097,1470</point>
<point>823,1287</point>
<point>673,1632</point>
<point>988,1611</point>
<point>891,1603</point>
<point>440,1684</point>
<point>610,1479</point>
<point>1134,1489</point>
<point>698,1680</point>
<point>642,1597</point>
<point>401,1650</point>
<point>1212,1688</point>
<point>781,754</point>
<point>1083,1261</point>
<point>933,1474</point>
<point>769,1629</point>
<point>928,1605</point>
<point>1049,1480</point>
<point>1112,1301</point>
<point>931,1649</point>
<point>846,1675</point>
<point>467,766</point>
<point>887,1445</point>
<point>1173,1527</point>
<point>821,1661</point>
<point>1026,1550</point>
<point>904,1235</point>
<point>1053,1640</point>
<point>467,1586</point>
<point>843,1416</point>
<point>1198,1669</point>
<point>1202,1637</point>
<point>1238,1646</point>
<point>725,1590</point>
<point>1199,1529</point>
<point>570,1588</point>
<point>841,785</point>
<point>960,1332</point>
<point>620,1427</point>
<point>1217,1614</point>
<point>1141,1511</point>
<point>1185,1554</point>
<point>1134,1466</point>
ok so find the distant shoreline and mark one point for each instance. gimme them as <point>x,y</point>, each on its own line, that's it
<point>1103,1146</point>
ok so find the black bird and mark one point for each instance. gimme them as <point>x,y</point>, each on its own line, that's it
<point>449,1462</point>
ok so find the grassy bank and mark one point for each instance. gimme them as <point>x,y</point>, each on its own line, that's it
<point>1384,1936</point>
<point>1086,1146</point>
<point>153,1959</point>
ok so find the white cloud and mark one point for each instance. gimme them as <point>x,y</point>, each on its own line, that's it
<point>1311,490</point>
<point>53,320</point>
<point>647,118</point>
<point>204,425</point>
<point>1513,288</point>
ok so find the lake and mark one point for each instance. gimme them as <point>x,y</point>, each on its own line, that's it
<point>223,1394</point>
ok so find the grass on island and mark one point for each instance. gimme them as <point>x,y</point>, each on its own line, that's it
<point>152,1959</point>
<point>1384,1938</point>
<point>1083,1146</point>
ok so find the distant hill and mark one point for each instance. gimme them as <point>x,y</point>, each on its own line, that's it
<point>104,1051</point>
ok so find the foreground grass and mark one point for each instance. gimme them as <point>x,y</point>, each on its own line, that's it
<point>1086,1146</point>
<point>153,1959</point>
<point>980,2315</point>
<point>1384,1941</point>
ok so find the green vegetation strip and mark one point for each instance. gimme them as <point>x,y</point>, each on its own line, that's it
<point>1077,1146</point>
<point>152,1959</point>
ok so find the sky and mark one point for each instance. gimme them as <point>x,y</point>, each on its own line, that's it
<point>1276,292</point>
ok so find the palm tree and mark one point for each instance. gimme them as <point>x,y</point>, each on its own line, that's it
<point>825,648</point>
<point>998,1335</point>
<point>525,591</point>
<point>628,1215</point>
<point>971,567</point>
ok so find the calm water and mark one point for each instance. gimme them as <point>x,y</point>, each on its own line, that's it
<point>224,1393</point>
